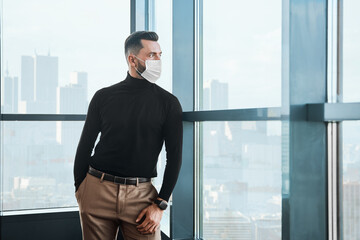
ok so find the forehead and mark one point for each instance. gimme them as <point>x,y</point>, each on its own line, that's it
<point>150,46</point>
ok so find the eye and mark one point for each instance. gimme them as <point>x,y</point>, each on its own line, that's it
<point>151,55</point>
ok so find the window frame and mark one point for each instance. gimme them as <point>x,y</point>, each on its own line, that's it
<point>331,113</point>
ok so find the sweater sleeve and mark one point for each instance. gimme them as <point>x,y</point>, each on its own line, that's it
<point>87,140</point>
<point>173,135</point>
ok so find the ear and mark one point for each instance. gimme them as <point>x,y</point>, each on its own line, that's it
<point>131,60</point>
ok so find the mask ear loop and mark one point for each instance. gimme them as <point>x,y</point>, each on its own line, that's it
<point>138,72</point>
<point>139,59</point>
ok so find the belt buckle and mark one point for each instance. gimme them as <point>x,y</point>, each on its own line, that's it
<point>125,181</point>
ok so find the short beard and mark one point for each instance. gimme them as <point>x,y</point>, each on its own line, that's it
<point>140,68</point>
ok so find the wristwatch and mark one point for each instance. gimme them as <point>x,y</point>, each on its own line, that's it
<point>162,204</point>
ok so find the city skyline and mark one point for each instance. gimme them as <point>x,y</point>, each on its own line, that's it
<point>244,163</point>
<point>237,145</point>
<point>38,90</point>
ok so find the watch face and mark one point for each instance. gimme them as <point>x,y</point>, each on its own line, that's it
<point>163,205</point>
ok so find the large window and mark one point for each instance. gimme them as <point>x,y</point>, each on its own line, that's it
<point>55,56</point>
<point>350,171</point>
<point>351,180</point>
<point>241,54</point>
<point>242,180</point>
<point>351,51</point>
<point>160,21</point>
<point>37,171</point>
<point>241,170</point>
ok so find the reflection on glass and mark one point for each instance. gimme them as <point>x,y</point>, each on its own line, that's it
<point>157,182</point>
<point>351,180</point>
<point>241,54</point>
<point>351,50</point>
<point>242,180</point>
<point>56,54</point>
<point>161,23</point>
<point>38,160</point>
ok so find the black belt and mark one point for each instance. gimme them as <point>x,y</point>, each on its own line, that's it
<point>116,179</point>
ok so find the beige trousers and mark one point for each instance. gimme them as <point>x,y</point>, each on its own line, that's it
<point>104,207</point>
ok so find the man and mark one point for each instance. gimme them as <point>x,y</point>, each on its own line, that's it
<point>135,116</point>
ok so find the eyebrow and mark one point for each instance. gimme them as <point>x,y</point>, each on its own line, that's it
<point>155,53</point>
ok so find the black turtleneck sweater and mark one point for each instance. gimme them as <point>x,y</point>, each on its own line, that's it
<point>134,117</point>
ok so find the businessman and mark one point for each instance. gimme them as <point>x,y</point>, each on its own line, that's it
<point>135,117</point>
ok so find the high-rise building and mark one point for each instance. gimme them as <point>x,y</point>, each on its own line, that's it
<point>27,78</point>
<point>227,225</point>
<point>71,99</point>
<point>80,79</point>
<point>46,81</point>
<point>268,227</point>
<point>219,95</point>
<point>206,98</point>
<point>351,213</point>
<point>39,80</point>
<point>11,94</point>
<point>215,95</point>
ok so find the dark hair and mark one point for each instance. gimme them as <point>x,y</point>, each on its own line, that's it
<point>133,42</point>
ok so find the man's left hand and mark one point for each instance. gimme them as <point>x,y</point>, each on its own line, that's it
<point>153,215</point>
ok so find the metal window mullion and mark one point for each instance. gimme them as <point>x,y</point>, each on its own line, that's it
<point>197,180</point>
<point>197,137</point>
<point>139,15</point>
<point>253,114</point>
<point>1,169</point>
<point>43,117</point>
<point>333,180</point>
<point>332,51</point>
<point>334,95</point>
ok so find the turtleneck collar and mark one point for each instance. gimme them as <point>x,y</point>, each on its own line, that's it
<point>137,82</point>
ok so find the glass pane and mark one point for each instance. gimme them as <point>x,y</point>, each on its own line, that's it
<point>38,161</point>
<point>351,180</point>
<point>351,51</point>
<point>161,23</point>
<point>241,54</point>
<point>56,54</point>
<point>165,221</point>
<point>242,180</point>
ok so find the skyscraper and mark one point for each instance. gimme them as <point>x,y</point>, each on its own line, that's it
<point>351,214</point>
<point>39,80</point>
<point>219,95</point>
<point>11,95</point>
<point>27,78</point>
<point>215,95</point>
<point>46,81</point>
<point>71,99</point>
<point>80,79</point>
<point>227,225</point>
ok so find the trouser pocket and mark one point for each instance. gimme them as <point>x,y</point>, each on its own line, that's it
<point>81,189</point>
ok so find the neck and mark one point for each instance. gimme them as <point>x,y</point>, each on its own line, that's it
<point>135,82</point>
<point>134,73</point>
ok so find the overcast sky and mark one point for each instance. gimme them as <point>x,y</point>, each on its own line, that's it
<point>242,45</point>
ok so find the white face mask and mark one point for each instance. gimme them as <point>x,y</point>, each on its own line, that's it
<point>152,70</point>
